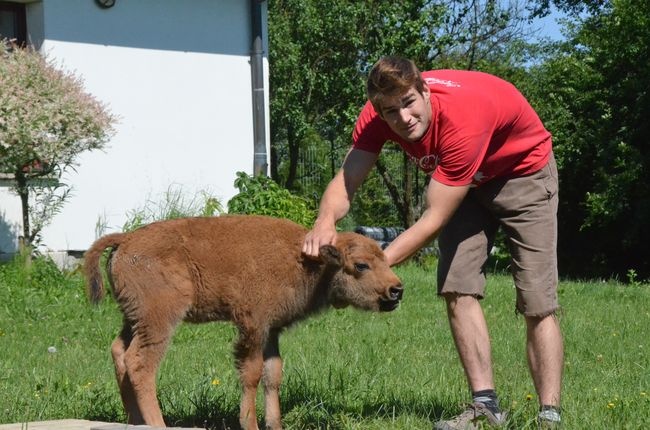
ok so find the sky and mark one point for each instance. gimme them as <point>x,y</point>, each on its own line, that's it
<point>549,26</point>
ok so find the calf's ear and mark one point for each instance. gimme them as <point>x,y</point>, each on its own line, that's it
<point>330,255</point>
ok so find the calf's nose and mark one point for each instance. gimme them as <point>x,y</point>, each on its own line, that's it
<point>396,292</point>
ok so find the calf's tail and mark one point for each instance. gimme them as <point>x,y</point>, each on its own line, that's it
<point>95,282</point>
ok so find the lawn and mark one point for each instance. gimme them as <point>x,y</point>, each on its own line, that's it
<point>344,369</point>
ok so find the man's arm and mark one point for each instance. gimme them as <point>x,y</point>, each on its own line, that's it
<point>336,200</point>
<point>442,202</point>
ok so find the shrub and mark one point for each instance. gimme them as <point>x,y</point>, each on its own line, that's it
<point>260,195</point>
<point>46,121</point>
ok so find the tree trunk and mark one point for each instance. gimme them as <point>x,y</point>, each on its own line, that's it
<point>23,192</point>
<point>409,216</point>
<point>25,242</point>
<point>393,191</point>
<point>274,162</point>
<point>294,152</point>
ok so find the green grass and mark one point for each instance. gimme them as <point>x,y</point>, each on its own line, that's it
<point>344,369</point>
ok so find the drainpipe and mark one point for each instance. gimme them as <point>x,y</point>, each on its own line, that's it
<point>260,163</point>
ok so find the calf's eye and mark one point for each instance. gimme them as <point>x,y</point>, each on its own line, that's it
<point>360,267</point>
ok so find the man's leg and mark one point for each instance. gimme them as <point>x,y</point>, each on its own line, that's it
<point>464,245</point>
<point>470,333</point>
<point>527,209</point>
<point>545,357</point>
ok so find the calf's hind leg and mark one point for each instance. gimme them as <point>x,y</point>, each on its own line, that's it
<point>153,309</point>
<point>142,359</point>
<point>118,350</point>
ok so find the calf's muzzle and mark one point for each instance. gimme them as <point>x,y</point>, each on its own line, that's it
<point>392,301</point>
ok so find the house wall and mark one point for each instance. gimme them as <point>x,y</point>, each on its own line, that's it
<point>178,76</point>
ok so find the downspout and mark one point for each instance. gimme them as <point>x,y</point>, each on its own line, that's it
<point>260,164</point>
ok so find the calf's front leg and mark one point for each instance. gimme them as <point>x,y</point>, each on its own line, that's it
<point>272,379</point>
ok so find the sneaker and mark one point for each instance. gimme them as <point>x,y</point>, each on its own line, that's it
<point>476,416</point>
<point>544,424</point>
<point>548,420</point>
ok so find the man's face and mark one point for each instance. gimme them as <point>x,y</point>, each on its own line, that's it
<point>408,114</point>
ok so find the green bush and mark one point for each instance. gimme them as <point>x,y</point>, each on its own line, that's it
<point>260,195</point>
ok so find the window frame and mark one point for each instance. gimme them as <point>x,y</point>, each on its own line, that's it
<point>20,21</point>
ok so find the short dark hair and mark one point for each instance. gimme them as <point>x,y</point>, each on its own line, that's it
<point>391,76</point>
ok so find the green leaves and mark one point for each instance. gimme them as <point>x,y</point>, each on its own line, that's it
<point>260,195</point>
<point>592,94</point>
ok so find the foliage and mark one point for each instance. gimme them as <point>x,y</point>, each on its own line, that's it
<point>593,96</point>
<point>320,53</point>
<point>343,369</point>
<point>541,8</point>
<point>173,204</point>
<point>591,93</point>
<point>260,195</point>
<point>46,121</point>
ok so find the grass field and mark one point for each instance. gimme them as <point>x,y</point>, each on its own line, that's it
<point>344,369</point>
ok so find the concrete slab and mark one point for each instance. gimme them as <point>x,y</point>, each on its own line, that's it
<point>53,425</point>
<point>79,425</point>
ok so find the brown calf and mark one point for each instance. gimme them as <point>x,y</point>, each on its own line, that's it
<point>244,269</point>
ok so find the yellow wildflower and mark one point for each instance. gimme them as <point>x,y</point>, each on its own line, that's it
<point>215,381</point>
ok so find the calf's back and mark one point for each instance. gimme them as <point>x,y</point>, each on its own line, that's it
<point>219,268</point>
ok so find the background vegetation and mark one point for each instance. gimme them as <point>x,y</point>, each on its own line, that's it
<point>344,369</point>
<point>590,90</point>
<point>46,120</point>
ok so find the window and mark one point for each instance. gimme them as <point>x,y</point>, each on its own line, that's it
<point>12,22</point>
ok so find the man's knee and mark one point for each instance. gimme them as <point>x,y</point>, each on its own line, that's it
<point>458,301</point>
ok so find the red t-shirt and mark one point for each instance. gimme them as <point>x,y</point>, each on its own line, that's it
<point>481,128</point>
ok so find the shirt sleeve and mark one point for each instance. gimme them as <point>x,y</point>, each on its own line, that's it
<point>370,132</point>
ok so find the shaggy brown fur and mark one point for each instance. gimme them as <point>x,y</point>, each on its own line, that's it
<point>244,269</point>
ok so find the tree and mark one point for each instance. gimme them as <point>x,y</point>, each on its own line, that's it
<point>593,95</point>
<point>46,121</point>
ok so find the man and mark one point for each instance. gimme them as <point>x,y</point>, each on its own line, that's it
<point>491,165</point>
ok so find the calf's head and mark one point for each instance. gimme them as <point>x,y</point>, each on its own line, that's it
<point>361,277</point>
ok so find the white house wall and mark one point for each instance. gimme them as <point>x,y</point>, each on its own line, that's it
<point>178,76</point>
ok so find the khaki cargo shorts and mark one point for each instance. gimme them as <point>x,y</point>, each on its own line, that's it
<point>526,209</point>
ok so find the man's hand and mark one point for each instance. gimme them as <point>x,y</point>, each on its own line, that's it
<point>335,203</point>
<point>323,233</point>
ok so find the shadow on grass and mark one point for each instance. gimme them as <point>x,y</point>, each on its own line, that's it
<point>308,411</point>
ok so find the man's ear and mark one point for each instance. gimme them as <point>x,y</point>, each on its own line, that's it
<point>426,92</point>
<point>330,255</point>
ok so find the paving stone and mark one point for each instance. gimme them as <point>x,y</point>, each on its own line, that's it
<point>72,424</point>
<point>69,424</point>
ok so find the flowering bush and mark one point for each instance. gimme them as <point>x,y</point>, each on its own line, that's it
<point>46,121</point>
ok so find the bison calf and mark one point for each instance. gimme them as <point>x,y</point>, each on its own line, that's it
<point>244,269</point>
